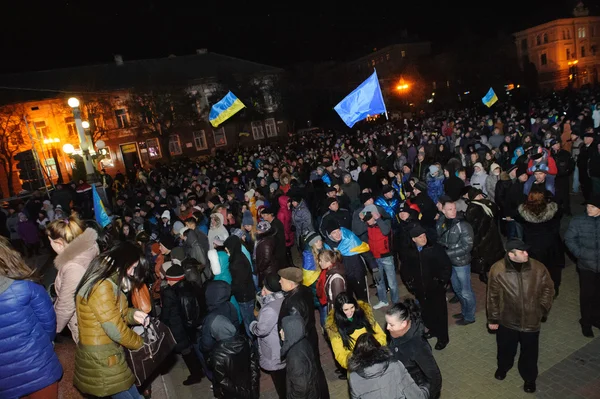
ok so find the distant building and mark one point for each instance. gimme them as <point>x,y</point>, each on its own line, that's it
<point>565,52</point>
<point>104,92</point>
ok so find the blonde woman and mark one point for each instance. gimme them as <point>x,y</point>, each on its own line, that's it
<point>75,247</point>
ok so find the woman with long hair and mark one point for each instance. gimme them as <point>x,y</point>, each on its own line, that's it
<point>103,318</point>
<point>75,246</point>
<point>348,320</point>
<point>540,217</point>
<point>410,347</point>
<point>374,373</point>
<point>312,274</point>
<point>332,280</point>
<point>30,367</point>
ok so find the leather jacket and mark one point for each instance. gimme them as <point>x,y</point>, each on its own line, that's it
<point>519,299</point>
<point>236,370</point>
<point>456,236</point>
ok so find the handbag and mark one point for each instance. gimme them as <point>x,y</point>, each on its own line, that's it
<point>158,344</point>
<point>140,298</point>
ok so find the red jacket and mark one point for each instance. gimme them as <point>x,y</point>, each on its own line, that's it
<point>285,216</point>
<point>379,244</point>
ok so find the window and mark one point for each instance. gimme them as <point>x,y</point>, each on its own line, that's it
<point>568,53</point>
<point>71,128</point>
<point>581,32</point>
<point>153,148</point>
<point>568,33</point>
<point>592,31</point>
<point>271,127</point>
<point>582,53</point>
<point>403,54</point>
<point>545,38</point>
<point>593,49</point>
<point>105,157</point>
<point>257,130</point>
<point>174,145</point>
<point>564,35</point>
<point>220,138</point>
<point>538,40</point>
<point>200,140</point>
<point>523,44</point>
<point>544,59</point>
<point>35,108</point>
<point>122,118</point>
<point>41,129</point>
<point>99,122</point>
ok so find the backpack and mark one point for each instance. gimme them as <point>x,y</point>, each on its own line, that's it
<point>191,310</point>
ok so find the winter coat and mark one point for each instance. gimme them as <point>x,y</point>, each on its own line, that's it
<point>103,319</point>
<point>242,285</point>
<point>280,242</point>
<point>334,283</point>
<point>217,296</point>
<point>27,328</point>
<point>490,186</point>
<point>302,380</point>
<point>352,190</point>
<point>456,236</point>
<point>341,353</point>
<point>302,219</point>
<point>72,264</point>
<point>377,375</point>
<point>12,221</point>
<point>285,216</point>
<point>453,187</point>
<point>265,330</point>
<point>519,299</point>
<point>478,181</point>
<point>173,315</point>
<point>501,193</point>
<point>379,238</point>
<point>583,240</point>
<point>487,243</point>
<point>435,187</point>
<point>193,248</point>
<point>28,232</point>
<point>425,271</point>
<point>301,299</point>
<point>413,350</point>
<point>542,233</point>
<point>217,231</point>
<point>428,209</point>
<point>266,260</point>
<point>234,362</point>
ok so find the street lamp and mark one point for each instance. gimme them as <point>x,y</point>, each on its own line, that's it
<point>68,149</point>
<point>89,168</point>
<point>85,124</point>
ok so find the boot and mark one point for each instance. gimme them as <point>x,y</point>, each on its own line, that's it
<point>194,366</point>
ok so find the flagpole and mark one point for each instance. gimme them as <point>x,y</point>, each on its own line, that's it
<point>382,100</point>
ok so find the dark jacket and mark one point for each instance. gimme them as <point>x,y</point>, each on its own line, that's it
<point>519,299</point>
<point>173,315</point>
<point>302,380</point>
<point>583,240</point>
<point>426,270</point>
<point>301,300</point>
<point>335,282</point>
<point>27,328</point>
<point>217,296</point>
<point>542,233</point>
<point>234,361</point>
<point>428,209</point>
<point>280,242</point>
<point>242,285</point>
<point>266,260</point>
<point>414,352</point>
<point>501,194</point>
<point>514,198</point>
<point>63,198</point>
<point>194,249</point>
<point>453,187</point>
<point>487,243</point>
<point>420,170</point>
<point>456,236</point>
<point>341,216</point>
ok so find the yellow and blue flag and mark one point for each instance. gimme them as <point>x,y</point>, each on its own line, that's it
<point>364,101</point>
<point>490,98</point>
<point>224,109</point>
<point>99,211</point>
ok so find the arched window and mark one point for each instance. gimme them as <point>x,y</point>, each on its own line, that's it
<point>545,38</point>
<point>538,40</point>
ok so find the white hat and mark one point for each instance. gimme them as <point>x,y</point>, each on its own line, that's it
<point>166,214</point>
<point>249,194</point>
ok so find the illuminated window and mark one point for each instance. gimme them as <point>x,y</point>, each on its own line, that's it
<point>174,145</point>
<point>403,54</point>
<point>122,118</point>
<point>200,140</point>
<point>41,129</point>
<point>581,33</point>
<point>271,127</point>
<point>71,128</point>
<point>220,138</point>
<point>153,148</point>
<point>543,59</point>
<point>257,130</point>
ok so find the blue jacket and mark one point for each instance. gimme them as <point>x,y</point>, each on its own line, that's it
<point>27,328</point>
<point>390,206</point>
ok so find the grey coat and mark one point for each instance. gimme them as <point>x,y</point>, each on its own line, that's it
<point>302,219</point>
<point>377,375</point>
<point>265,329</point>
<point>456,236</point>
<point>583,240</point>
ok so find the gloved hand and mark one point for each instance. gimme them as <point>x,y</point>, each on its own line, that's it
<point>376,275</point>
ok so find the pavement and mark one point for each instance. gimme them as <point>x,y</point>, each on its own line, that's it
<point>569,363</point>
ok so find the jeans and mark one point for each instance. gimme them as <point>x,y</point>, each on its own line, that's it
<point>387,271</point>
<point>576,180</point>
<point>207,372</point>
<point>461,283</point>
<point>247,311</point>
<point>514,230</point>
<point>131,393</point>
<point>322,314</point>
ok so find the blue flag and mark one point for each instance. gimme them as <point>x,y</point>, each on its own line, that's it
<point>99,211</point>
<point>365,100</point>
<point>490,98</point>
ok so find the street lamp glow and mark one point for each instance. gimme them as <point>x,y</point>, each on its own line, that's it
<point>73,102</point>
<point>85,124</point>
<point>68,149</point>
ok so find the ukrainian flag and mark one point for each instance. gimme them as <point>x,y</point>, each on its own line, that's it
<point>224,109</point>
<point>490,98</point>
<point>99,211</point>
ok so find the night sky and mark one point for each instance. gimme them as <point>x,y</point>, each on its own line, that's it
<point>47,34</point>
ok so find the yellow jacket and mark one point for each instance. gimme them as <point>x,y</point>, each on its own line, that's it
<point>340,352</point>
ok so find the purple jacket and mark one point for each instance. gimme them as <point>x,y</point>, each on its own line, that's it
<point>28,232</point>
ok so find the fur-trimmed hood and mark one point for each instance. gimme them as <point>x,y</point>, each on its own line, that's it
<point>372,364</point>
<point>81,250</point>
<point>332,329</point>
<point>545,216</point>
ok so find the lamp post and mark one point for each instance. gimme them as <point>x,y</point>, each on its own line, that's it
<point>89,168</point>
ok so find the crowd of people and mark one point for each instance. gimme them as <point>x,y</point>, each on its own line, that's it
<point>240,256</point>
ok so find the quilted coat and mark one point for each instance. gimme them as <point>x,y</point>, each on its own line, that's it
<point>285,216</point>
<point>71,265</point>
<point>27,328</point>
<point>103,318</point>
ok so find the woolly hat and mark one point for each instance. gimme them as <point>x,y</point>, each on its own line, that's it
<point>167,241</point>
<point>273,186</point>
<point>263,226</point>
<point>521,169</point>
<point>330,201</point>
<point>166,214</point>
<point>310,239</point>
<point>237,232</point>
<point>417,231</point>
<point>331,225</point>
<point>433,170</point>
<point>271,282</point>
<point>247,219</point>
<point>175,273</point>
<point>421,186</point>
<point>268,211</point>
<point>386,189</point>
<point>540,167</point>
<point>177,226</point>
<point>364,197</point>
<point>493,167</point>
<point>249,194</point>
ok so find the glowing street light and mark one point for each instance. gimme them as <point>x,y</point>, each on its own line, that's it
<point>68,149</point>
<point>85,124</point>
<point>73,102</point>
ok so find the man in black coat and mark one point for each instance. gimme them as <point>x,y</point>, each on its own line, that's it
<point>334,212</point>
<point>427,270</point>
<point>299,299</point>
<point>426,205</point>
<point>270,216</point>
<point>514,198</point>
<point>564,166</point>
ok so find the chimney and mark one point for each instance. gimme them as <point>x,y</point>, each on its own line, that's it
<point>201,51</point>
<point>118,59</point>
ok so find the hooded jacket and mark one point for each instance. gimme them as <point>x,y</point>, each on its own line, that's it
<point>456,236</point>
<point>218,231</point>
<point>487,243</point>
<point>265,329</point>
<point>194,249</point>
<point>285,216</point>
<point>217,296</point>
<point>302,219</point>
<point>242,286</point>
<point>27,328</point>
<point>478,180</point>
<point>542,232</point>
<point>302,381</point>
<point>377,375</point>
<point>234,362</point>
<point>72,264</point>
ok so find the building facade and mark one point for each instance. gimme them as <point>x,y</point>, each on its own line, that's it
<point>565,52</point>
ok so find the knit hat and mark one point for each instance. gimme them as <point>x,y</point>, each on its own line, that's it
<point>474,192</point>
<point>166,214</point>
<point>273,186</point>
<point>331,225</point>
<point>271,282</point>
<point>493,167</point>
<point>364,197</point>
<point>433,170</point>
<point>167,241</point>
<point>478,164</point>
<point>175,273</point>
<point>247,219</point>
<point>540,167</point>
<point>218,241</point>
<point>263,226</point>
<point>329,201</point>
<point>417,231</point>
<point>310,239</point>
<point>268,211</point>
<point>421,186</point>
<point>291,273</point>
<point>249,194</point>
<point>386,189</point>
<point>177,226</point>
<point>521,169</point>
<point>237,232</point>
